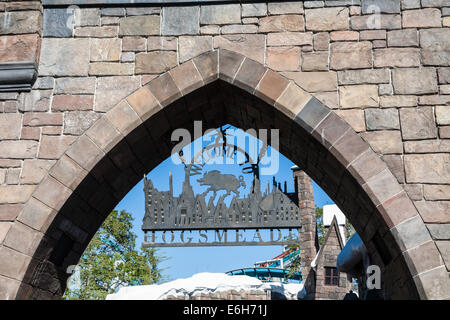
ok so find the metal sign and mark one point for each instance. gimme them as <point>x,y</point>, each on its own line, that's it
<point>272,209</point>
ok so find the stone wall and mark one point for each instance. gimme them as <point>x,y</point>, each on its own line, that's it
<point>386,75</point>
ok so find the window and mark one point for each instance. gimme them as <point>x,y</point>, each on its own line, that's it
<point>331,276</point>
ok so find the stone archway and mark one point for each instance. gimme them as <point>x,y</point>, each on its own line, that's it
<point>218,87</point>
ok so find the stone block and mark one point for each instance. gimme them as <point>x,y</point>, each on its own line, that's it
<point>13,263</point>
<point>435,44</point>
<point>288,7</point>
<point>348,148</point>
<point>164,89</point>
<point>10,124</point>
<point>330,130</point>
<point>384,142</point>
<point>289,39</point>
<point>105,49</point>
<point>434,211</point>
<point>314,81</point>
<point>38,119</point>
<point>239,28</point>
<point>427,146</point>
<point>380,6</point>
<point>97,32</point>
<point>249,45</point>
<point>422,258</point>
<point>220,14</point>
<point>312,114</point>
<point>113,12</point>
<point>283,58</point>
<point>155,62</point>
<point>75,85</point>
<point>144,103</point>
<point>207,65</point>
<point>70,102</point>
<point>418,123</point>
<point>351,55</point>
<point>162,43</point>
<point>444,248</point>
<point>410,4</point>
<point>358,96</point>
<point>52,193</point>
<point>110,69</point>
<point>439,231</point>
<point>213,29</point>
<point>271,86</point>
<point>54,53</point>
<point>139,26</point>
<point>316,61</point>
<point>44,83</point>
<point>444,132</point>
<point>58,22</point>
<point>30,133</point>
<point>398,101</point>
<point>422,18</point>
<point>365,76</point>
<point>281,23</point>
<point>87,17</point>
<point>19,48</point>
<point>53,147</point>
<point>292,100</point>
<point>104,134</point>
<point>36,100</point>
<point>382,119</point>
<point>20,22</point>
<point>133,44</point>
<point>403,38</point>
<point>9,212</point>
<point>18,149</point>
<point>327,19</point>
<point>395,164</point>
<point>344,36</point>
<point>354,117</point>
<point>443,115</point>
<point>414,81</point>
<point>254,9</point>
<point>396,57</point>
<point>171,17</point>
<point>192,46</point>
<point>15,193</point>
<point>34,170</point>
<point>77,122</point>
<point>110,90</point>
<point>186,77</point>
<point>321,41</point>
<point>249,75</point>
<point>436,192</point>
<point>376,21</point>
<point>427,168</point>
<point>85,153</point>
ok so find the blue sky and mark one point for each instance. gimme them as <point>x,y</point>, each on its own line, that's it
<point>184,262</point>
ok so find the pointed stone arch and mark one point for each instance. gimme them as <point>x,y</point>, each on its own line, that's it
<point>102,165</point>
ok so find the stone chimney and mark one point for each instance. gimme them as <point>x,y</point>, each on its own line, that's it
<point>308,249</point>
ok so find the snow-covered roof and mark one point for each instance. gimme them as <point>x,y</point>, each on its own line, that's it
<point>331,210</point>
<point>204,283</point>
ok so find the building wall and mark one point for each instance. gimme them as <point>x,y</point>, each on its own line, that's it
<point>330,251</point>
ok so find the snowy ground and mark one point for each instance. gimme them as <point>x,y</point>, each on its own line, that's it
<point>205,283</point>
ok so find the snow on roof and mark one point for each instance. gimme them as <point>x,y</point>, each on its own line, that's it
<point>203,283</point>
<point>331,210</point>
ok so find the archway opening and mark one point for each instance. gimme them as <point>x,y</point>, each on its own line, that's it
<point>215,104</point>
